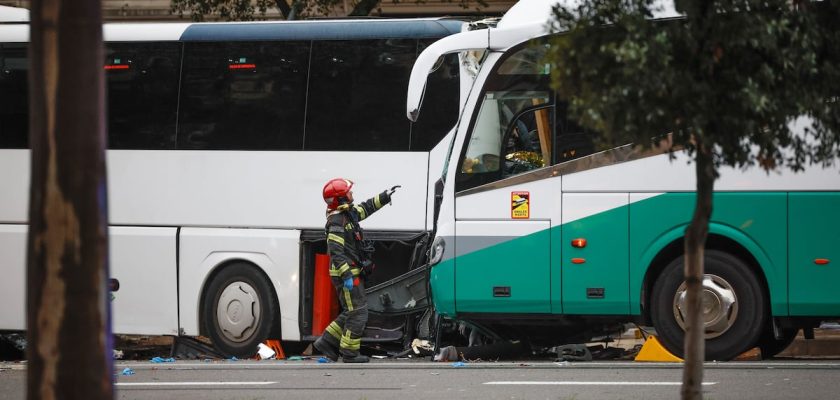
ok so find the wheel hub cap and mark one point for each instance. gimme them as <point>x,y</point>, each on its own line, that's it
<point>719,304</point>
<point>238,311</point>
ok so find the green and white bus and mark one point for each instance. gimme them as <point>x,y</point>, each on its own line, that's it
<point>543,235</point>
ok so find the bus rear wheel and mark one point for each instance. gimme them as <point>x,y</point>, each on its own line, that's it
<point>239,310</point>
<point>734,311</point>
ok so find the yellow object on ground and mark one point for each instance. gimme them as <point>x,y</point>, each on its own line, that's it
<point>652,350</point>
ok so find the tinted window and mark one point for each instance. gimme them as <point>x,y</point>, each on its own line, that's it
<point>357,95</point>
<point>142,87</point>
<point>14,98</point>
<point>440,104</point>
<point>572,141</point>
<point>248,96</point>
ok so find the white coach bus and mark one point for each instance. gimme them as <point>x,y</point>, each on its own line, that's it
<point>220,139</point>
<point>555,239</point>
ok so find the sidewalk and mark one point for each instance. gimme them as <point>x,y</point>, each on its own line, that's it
<point>826,344</point>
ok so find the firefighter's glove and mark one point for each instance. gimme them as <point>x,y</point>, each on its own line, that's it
<point>348,283</point>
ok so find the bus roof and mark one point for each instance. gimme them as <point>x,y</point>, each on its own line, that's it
<point>324,30</point>
<point>13,14</point>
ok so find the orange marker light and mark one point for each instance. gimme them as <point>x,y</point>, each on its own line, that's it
<point>822,261</point>
<point>578,260</point>
<point>579,243</point>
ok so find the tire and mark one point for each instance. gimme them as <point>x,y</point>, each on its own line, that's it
<point>239,310</point>
<point>770,346</point>
<point>736,314</point>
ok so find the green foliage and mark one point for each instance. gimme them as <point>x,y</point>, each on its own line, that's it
<point>229,10</point>
<point>730,76</point>
<point>247,10</point>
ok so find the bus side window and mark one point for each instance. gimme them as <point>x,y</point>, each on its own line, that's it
<point>243,95</point>
<point>357,95</point>
<point>142,86</point>
<point>571,141</point>
<point>14,97</point>
<point>440,103</point>
<point>507,137</point>
<point>528,142</point>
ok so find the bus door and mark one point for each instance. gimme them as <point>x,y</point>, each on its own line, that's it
<point>502,207</point>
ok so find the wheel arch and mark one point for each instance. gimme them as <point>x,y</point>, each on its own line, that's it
<point>721,237</point>
<point>215,271</point>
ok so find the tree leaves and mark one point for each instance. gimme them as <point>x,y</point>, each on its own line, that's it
<point>732,75</point>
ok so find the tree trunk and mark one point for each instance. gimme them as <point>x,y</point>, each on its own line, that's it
<point>68,312</point>
<point>695,241</point>
<point>284,7</point>
<point>363,8</point>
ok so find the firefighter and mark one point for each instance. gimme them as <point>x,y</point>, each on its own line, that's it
<point>350,263</point>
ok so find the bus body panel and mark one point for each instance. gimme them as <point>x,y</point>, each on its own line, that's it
<point>502,245</point>
<point>755,221</point>
<point>660,174</point>
<point>13,284</point>
<point>143,261</point>
<point>814,235</point>
<point>200,188</point>
<point>275,252</point>
<point>511,271</point>
<point>14,202</point>
<point>206,188</point>
<point>595,276</point>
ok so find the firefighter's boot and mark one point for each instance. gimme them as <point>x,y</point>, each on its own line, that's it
<point>355,359</point>
<point>325,348</point>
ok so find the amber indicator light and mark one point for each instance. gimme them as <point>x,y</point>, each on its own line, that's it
<point>578,260</point>
<point>822,261</point>
<point>579,243</point>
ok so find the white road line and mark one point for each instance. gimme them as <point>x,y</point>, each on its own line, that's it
<point>583,383</point>
<point>192,383</point>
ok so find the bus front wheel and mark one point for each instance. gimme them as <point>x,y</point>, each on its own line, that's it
<point>734,311</point>
<point>239,310</point>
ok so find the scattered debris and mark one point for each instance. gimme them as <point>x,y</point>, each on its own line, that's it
<point>127,371</point>
<point>265,353</point>
<point>162,360</point>
<point>118,354</point>
<point>322,360</point>
<point>572,352</point>
<point>295,358</point>
<point>459,364</point>
<point>12,347</point>
<point>191,348</point>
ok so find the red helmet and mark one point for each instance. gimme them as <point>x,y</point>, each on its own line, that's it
<point>335,190</point>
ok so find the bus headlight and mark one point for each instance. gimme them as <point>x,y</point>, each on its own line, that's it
<point>436,252</point>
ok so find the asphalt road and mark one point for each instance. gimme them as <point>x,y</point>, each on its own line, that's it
<point>382,379</point>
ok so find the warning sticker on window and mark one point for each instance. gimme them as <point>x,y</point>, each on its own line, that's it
<point>520,205</point>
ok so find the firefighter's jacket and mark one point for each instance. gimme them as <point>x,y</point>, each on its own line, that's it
<point>345,236</point>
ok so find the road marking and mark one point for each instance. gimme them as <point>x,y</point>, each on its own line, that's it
<point>583,383</point>
<point>192,383</point>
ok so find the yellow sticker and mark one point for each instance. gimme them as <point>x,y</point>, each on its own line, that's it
<point>520,205</point>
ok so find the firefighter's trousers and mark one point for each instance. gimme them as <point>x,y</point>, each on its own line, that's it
<point>346,331</point>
